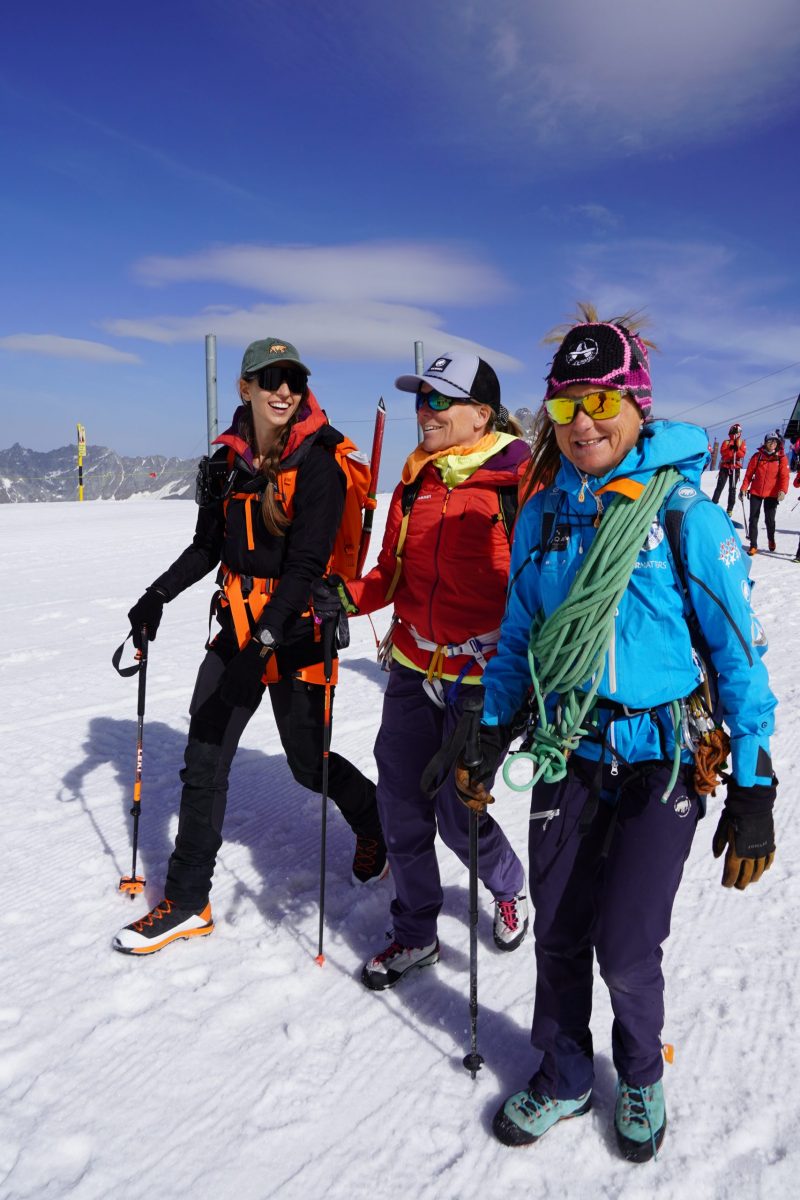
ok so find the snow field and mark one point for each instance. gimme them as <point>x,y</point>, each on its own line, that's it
<point>234,1067</point>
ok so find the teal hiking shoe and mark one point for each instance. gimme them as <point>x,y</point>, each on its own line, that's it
<point>526,1116</point>
<point>640,1120</point>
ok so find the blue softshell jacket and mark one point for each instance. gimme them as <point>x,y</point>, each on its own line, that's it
<point>650,660</point>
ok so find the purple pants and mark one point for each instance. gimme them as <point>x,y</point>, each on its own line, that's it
<point>412,730</point>
<point>606,891</point>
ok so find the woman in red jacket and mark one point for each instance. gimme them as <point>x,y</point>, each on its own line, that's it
<point>444,562</point>
<point>731,459</point>
<point>766,481</point>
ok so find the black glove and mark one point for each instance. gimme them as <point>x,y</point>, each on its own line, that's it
<point>493,741</point>
<point>746,833</point>
<point>147,611</point>
<point>325,598</point>
<point>330,596</point>
<point>240,685</point>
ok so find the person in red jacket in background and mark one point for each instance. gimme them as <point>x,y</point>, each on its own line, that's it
<point>444,564</point>
<point>766,482</point>
<point>731,460</point>
<point>797,485</point>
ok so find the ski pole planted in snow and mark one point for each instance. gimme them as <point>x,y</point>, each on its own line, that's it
<point>328,634</point>
<point>133,884</point>
<point>473,1060</point>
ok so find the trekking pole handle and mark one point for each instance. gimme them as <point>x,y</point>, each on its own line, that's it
<point>472,744</point>
<point>328,636</point>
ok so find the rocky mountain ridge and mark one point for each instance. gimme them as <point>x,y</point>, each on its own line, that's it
<point>30,476</point>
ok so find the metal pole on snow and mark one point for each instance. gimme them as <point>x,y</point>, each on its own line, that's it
<point>211,389</point>
<point>419,367</point>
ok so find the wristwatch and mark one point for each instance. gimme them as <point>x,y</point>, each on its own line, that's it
<point>267,642</point>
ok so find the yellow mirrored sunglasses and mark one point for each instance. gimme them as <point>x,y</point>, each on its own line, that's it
<point>600,406</point>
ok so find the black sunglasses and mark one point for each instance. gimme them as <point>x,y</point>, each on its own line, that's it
<point>270,378</point>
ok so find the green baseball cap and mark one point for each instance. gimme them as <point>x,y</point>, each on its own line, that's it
<point>269,350</point>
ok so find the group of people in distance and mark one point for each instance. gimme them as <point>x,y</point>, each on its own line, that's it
<point>561,591</point>
<point>766,482</point>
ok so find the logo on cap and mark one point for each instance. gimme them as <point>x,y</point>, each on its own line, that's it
<point>440,365</point>
<point>276,349</point>
<point>585,352</point>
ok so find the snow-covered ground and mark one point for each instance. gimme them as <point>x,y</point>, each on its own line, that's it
<point>233,1066</point>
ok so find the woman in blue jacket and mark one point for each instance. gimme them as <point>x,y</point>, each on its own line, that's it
<point>617,793</point>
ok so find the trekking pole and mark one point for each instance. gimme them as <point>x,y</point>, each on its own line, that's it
<point>473,1060</point>
<point>133,884</point>
<point>328,634</point>
<point>744,514</point>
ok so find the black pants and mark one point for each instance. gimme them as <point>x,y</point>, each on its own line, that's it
<point>770,508</point>
<point>214,733</point>
<point>729,475</point>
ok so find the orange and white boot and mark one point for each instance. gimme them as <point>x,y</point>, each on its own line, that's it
<point>163,924</point>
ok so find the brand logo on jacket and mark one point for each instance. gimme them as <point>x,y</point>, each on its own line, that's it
<point>729,551</point>
<point>560,539</point>
<point>687,491</point>
<point>585,352</point>
<point>682,806</point>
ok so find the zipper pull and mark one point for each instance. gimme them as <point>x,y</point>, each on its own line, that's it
<point>614,766</point>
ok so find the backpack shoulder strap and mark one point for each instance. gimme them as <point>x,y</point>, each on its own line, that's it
<point>683,497</point>
<point>549,508</point>
<point>509,506</point>
<point>409,495</point>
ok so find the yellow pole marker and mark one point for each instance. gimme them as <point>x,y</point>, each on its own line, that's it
<point>81,454</point>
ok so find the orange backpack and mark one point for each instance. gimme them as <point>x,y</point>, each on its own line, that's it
<point>355,464</point>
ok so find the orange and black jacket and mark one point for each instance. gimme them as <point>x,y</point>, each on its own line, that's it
<point>293,561</point>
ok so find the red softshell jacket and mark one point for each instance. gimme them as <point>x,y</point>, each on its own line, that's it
<point>732,454</point>
<point>455,561</point>
<point>767,474</point>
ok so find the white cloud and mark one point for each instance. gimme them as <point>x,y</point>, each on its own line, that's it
<point>366,330</point>
<point>728,338</point>
<point>402,272</point>
<point>52,345</point>
<point>596,81</point>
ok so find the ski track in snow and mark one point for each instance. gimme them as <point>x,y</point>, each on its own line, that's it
<point>232,1066</point>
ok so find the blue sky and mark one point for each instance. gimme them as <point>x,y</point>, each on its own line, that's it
<point>352,177</point>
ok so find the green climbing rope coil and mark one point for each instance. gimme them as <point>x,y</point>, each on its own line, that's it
<point>570,647</point>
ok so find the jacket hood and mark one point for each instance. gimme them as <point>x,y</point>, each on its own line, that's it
<point>503,453</point>
<point>661,444</point>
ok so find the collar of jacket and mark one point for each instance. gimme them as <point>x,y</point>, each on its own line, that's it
<point>458,463</point>
<point>310,421</point>
<point>662,443</point>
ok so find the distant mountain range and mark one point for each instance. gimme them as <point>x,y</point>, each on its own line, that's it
<point>33,475</point>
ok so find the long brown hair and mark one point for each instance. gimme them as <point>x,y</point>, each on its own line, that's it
<point>272,513</point>
<point>545,454</point>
